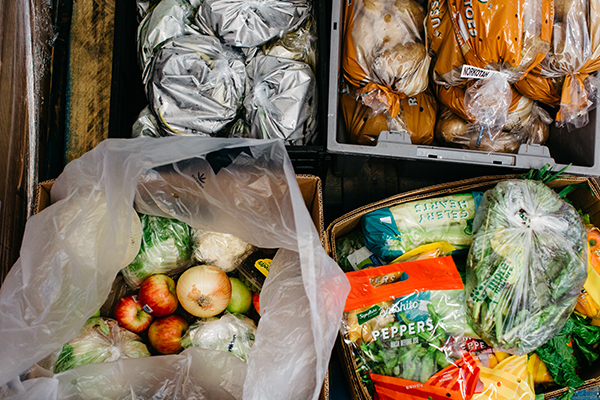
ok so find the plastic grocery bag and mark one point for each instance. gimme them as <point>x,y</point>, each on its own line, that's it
<point>73,250</point>
<point>282,100</point>
<point>526,266</point>
<point>400,322</point>
<point>196,85</point>
<point>251,23</point>
<point>384,50</point>
<point>166,20</point>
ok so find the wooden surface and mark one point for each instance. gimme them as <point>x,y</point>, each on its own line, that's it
<point>24,53</point>
<point>90,73</point>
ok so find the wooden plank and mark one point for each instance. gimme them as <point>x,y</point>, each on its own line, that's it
<point>20,72</point>
<point>90,73</point>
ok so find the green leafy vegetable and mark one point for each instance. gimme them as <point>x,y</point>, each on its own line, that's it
<point>572,350</point>
<point>165,249</point>
<point>526,266</point>
<point>100,340</point>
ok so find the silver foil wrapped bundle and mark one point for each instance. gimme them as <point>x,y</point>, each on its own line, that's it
<point>244,23</point>
<point>196,85</point>
<point>300,45</point>
<point>166,20</point>
<point>282,101</point>
<point>146,125</point>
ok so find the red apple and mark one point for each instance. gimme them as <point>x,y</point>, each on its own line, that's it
<point>165,334</point>
<point>130,315</point>
<point>256,302</point>
<point>157,295</point>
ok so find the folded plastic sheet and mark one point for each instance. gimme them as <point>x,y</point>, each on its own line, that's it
<point>244,23</point>
<point>283,100</point>
<point>73,250</point>
<point>196,85</point>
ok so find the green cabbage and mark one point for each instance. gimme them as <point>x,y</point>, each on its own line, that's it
<point>100,340</point>
<point>165,249</point>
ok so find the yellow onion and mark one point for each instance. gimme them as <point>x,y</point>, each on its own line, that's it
<point>204,291</point>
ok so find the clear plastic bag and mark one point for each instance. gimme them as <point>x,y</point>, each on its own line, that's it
<point>384,50</point>
<point>251,23</point>
<point>233,333</point>
<point>510,39</point>
<point>400,322</point>
<point>487,102</point>
<point>196,85</point>
<point>219,249</point>
<point>526,266</point>
<point>299,45</point>
<point>165,249</point>
<point>282,101</point>
<point>100,340</point>
<point>73,250</point>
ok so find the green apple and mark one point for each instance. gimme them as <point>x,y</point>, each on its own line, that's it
<point>241,297</point>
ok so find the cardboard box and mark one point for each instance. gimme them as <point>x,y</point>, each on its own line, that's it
<point>587,199</point>
<point>312,191</point>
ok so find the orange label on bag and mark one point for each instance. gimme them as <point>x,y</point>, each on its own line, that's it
<point>457,381</point>
<point>423,275</point>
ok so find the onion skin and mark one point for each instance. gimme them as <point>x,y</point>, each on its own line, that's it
<point>204,291</point>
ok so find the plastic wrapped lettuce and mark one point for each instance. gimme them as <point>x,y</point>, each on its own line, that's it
<point>232,332</point>
<point>100,340</point>
<point>391,231</point>
<point>526,267</point>
<point>165,249</point>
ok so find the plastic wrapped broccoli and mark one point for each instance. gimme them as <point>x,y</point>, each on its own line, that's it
<point>232,332</point>
<point>165,249</point>
<point>100,340</point>
<point>526,267</point>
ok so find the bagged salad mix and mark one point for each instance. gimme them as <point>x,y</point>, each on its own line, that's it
<point>400,322</point>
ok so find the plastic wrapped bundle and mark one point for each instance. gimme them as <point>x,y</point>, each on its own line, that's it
<point>100,340</point>
<point>165,249</point>
<point>146,125</point>
<point>167,20</point>
<point>492,46</point>
<point>251,23</point>
<point>232,332</point>
<point>416,117</point>
<point>196,85</point>
<point>299,45</point>
<point>575,54</point>
<point>536,87</point>
<point>283,100</point>
<point>526,267</point>
<point>529,125</point>
<point>219,249</point>
<point>384,51</point>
